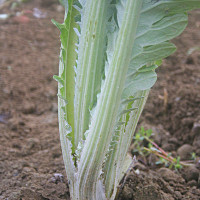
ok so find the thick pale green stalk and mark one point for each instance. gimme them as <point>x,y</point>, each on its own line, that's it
<point>103,121</point>
<point>90,63</point>
<point>116,159</point>
<point>131,126</point>
<point>111,164</point>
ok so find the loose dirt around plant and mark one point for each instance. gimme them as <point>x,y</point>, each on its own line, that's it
<point>31,165</point>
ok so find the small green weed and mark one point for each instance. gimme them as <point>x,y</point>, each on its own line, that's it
<point>139,141</point>
<point>144,146</point>
<point>193,156</point>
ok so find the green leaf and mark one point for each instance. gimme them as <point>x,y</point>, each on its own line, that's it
<point>158,62</point>
<point>159,22</point>
<point>147,68</point>
<point>63,32</point>
<point>171,26</point>
<point>58,25</point>
<point>150,54</point>
<point>139,81</point>
<point>59,79</point>
<point>66,85</point>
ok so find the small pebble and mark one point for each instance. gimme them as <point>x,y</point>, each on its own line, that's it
<point>190,173</point>
<point>185,152</point>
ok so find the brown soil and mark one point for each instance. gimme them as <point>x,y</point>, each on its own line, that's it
<point>31,165</point>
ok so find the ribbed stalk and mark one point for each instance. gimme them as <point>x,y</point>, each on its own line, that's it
<point>131,126</point>
<point>103,121</point>
<point>90,63</point>
<point>111,164</point>
<point>116,159</point>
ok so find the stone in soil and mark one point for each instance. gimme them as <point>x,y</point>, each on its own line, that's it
<point>190,173</point>
<point>185,152</point>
